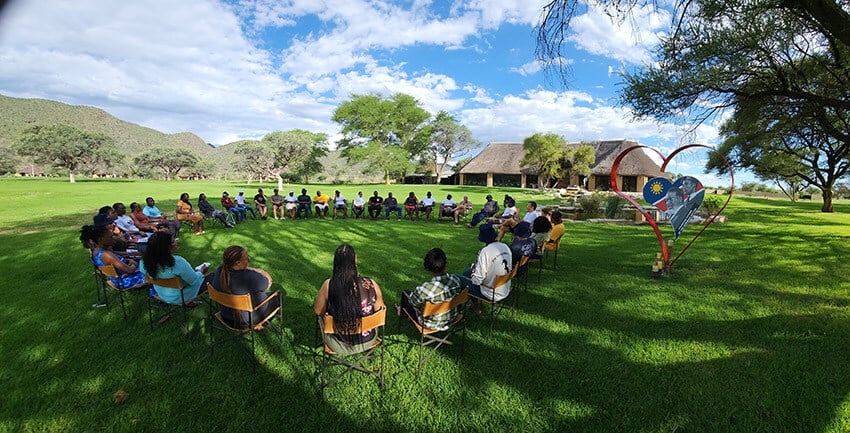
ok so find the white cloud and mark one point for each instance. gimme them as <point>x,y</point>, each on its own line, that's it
<point>630,41</point>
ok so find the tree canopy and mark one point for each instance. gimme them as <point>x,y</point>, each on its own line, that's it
<point>167,159</point>
<point>543,154</point>
<point>449,140</point>
<point>65,147</point>
<point>297,152</point>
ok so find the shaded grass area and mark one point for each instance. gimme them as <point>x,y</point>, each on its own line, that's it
<point>750,333</point>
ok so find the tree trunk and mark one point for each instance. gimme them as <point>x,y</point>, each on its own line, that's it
<point>387,177</point>
<point>827,200</point>
<point>279,182</point>
<point>71,178</point>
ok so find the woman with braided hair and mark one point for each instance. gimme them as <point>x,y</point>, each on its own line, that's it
<point>236,278</point>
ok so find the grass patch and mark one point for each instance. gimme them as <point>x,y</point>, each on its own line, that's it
<point>750,333</point>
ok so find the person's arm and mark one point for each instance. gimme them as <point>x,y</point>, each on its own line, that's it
<point>186,272</point>
<point>320,306</point>
<point>261,280</point>
<point>379,301</point>
<point>479,270</point>
<point>109,258</point>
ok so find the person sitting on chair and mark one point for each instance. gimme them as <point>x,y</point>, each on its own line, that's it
<point>260,200</point>
<point>490,208</point>
<point>340,205</point>
<point>427,206</point>
<point>348,297</point>
<point>411,206</point>
<point>154,215</point>
<point>240,200</point>
<point>99,240</point>
<point>291,204</point>
<point>125,223</point>
<point>523,245</point>
<point>186,213</point>
<point>540,229</point>
<point>159,262</point>
<point>239,211</point>
<point>462,208</point>
<point>556,233</point>
<point>391,205</point>
<point>447,208</point>
<point>236,278</point>
<point>304,201</point>
<point>207,209</point>
<point>320,202</point>
<point>494,260</point>
<point>376,205</point>
<point>441,287</point>
<point>358,205</point>
<point>277,205</point>
<point>509,224</point>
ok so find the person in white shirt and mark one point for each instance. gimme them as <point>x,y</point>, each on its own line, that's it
<point>427,206</point>
<point>508,225</point>
<point>358,205</point>
<point>291,204</point>
<point>494,260</point>
<point>340,204</point>
<point>447,208</point>
<point>240,200</point>
<point>126,225</point>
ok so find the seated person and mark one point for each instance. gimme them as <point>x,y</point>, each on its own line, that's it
<point>236,278</point>
<point>494,260</point>
<point>376,204</point>
<point>240,200</point>
<point>556,233</point>
<point>123,238</point>
<point>340,205</point>
<point>207,209</point>
<point>523,245</point>
<point>509,224</point>
<point>508,201</point>
<point>185,212</point>
<point>320,203</point>
<point>154,215</point>
<point>99,240</point>
<point>235,209</point>
<point>411,206</point>
<point>442,287</point>
<point>391,205</point>
<point>292,204</point>
<point>508,214</point>
<point>304,201</point>
<point>463,208</point>
<point>447,208</point>
<point>141,221</point>
<point>348,297</point>
<point>358,205</point>
<point>260,202</point>
<point>426,206</point>
<point>159,262</point>
<point>490,208</point>
<point>277,205</point>
<point>540,229</point>
<point>125,223</point>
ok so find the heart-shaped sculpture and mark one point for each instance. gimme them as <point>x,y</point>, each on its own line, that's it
<point>678,200</point>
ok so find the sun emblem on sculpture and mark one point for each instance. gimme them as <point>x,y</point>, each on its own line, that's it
<point>657,188</point>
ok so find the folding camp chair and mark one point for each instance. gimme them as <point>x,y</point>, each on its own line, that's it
<point>546,251</point>
<point>119,289</point>
<point>154,301</point>
<point>329,358</point>
<point>239,304</point>
<point>437,338</point>
<point>496,307</point>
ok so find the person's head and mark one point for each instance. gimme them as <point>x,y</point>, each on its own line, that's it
<point>336,193</point>
<point>435,261</point>
<point>522,230</point>
<point>674,198</point>
<point>318,193</point>
<point>135,207</point>
<point>202,197</point>
<point>546,211</point>
<point>291,193</point>
<point>532,206</point>
<point>120,209</point>
<point>160,252</point>
<point>275,191</point>
<point>103,220</point>
<point>486,233</point>
<point>489,197</point>
<point>389,194</point>
<point>150,201</point>
<point>184,197</point>
<point>225,195</point>
<point>375,193</point>
<point>465,197</point>
<point>304,191</point>
<point>241,192</point>
<point>541,224</point>
<point>448,196</point>
<point>343,293</point>
<point>360,193</point>
<point>108,210</point>
<point>234,258</point>
<point>259,190</point>
<point>95,236</point>
<point>557,217</point>
<point>428,194</point>
<point>689,184</point>
<point>411,194</point>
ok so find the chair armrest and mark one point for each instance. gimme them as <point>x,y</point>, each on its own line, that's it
<point>272,296</point>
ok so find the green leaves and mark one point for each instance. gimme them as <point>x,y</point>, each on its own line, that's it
<point>66,147</point>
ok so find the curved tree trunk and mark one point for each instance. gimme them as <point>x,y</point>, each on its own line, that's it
<point>827,200</point>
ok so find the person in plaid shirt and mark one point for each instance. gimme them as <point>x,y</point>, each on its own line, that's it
<point>442,287</point>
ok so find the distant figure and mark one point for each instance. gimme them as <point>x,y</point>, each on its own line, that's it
<point>358,205</point>
<point>391,205</point>
<point>260,202</point>
<point>376,205</point>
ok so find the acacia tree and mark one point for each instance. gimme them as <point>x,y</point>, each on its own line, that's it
<point>65,147</point>
<point>722,54</point>
<point>449,140</point>
<point>577,161</point>
<point>385,133</point>
<point>543,154</point>
<point>169,160</point>
<point>254,158</point>
<point>296,151</point>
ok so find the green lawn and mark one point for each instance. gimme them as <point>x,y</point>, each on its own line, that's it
<point>750,333</point>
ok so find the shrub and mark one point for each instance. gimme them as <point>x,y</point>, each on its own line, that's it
<point>592,202</point>
<point>711,204</point>
<point>612,205</point>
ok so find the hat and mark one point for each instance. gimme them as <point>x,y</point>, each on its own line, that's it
<point>241,191</point>
<point>523,230</point>
<point>291,191</point>
<point>489,197</point>
<point>224,193</point>
<point>102,219</point>
<point>486,233</point>
<point>259,190</point>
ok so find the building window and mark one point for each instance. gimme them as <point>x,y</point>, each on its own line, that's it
<point>475,179</point>
<point>530,181</point>
<point>629,184</point>
<point>603,183</point>
<point>514,180</point>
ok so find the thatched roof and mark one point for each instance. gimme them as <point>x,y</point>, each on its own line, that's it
<point>504,158</point>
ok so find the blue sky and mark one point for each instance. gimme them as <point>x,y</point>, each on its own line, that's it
<point>240,69</point>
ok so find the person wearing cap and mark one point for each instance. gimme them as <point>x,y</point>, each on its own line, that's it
<point>358,205</point>
<point>509,223</point>
<point>494,260</point>
<point>260,202</point>
<point>277,205</point>
<point>523,245</point>
<point>303,210</point>
<point>490,208</point>
<point>426,205</point>
<point>376,205</point>
<point>292,204</point>
<point>235,209</point>
<point>240,200</point>
<point>340,204</point>
<point>320,202</point>
<point>153,213</point>
<point>102,219</point>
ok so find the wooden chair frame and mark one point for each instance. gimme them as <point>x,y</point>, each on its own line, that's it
<point>496,307</point>
<point>106,284</point>
<point>429,337</point>
<point>546,252</point>
<point>155,301</point>
<point>240,303</point>
<point>329,358</point>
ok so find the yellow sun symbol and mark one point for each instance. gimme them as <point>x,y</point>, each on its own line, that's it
<point>657,188</point>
